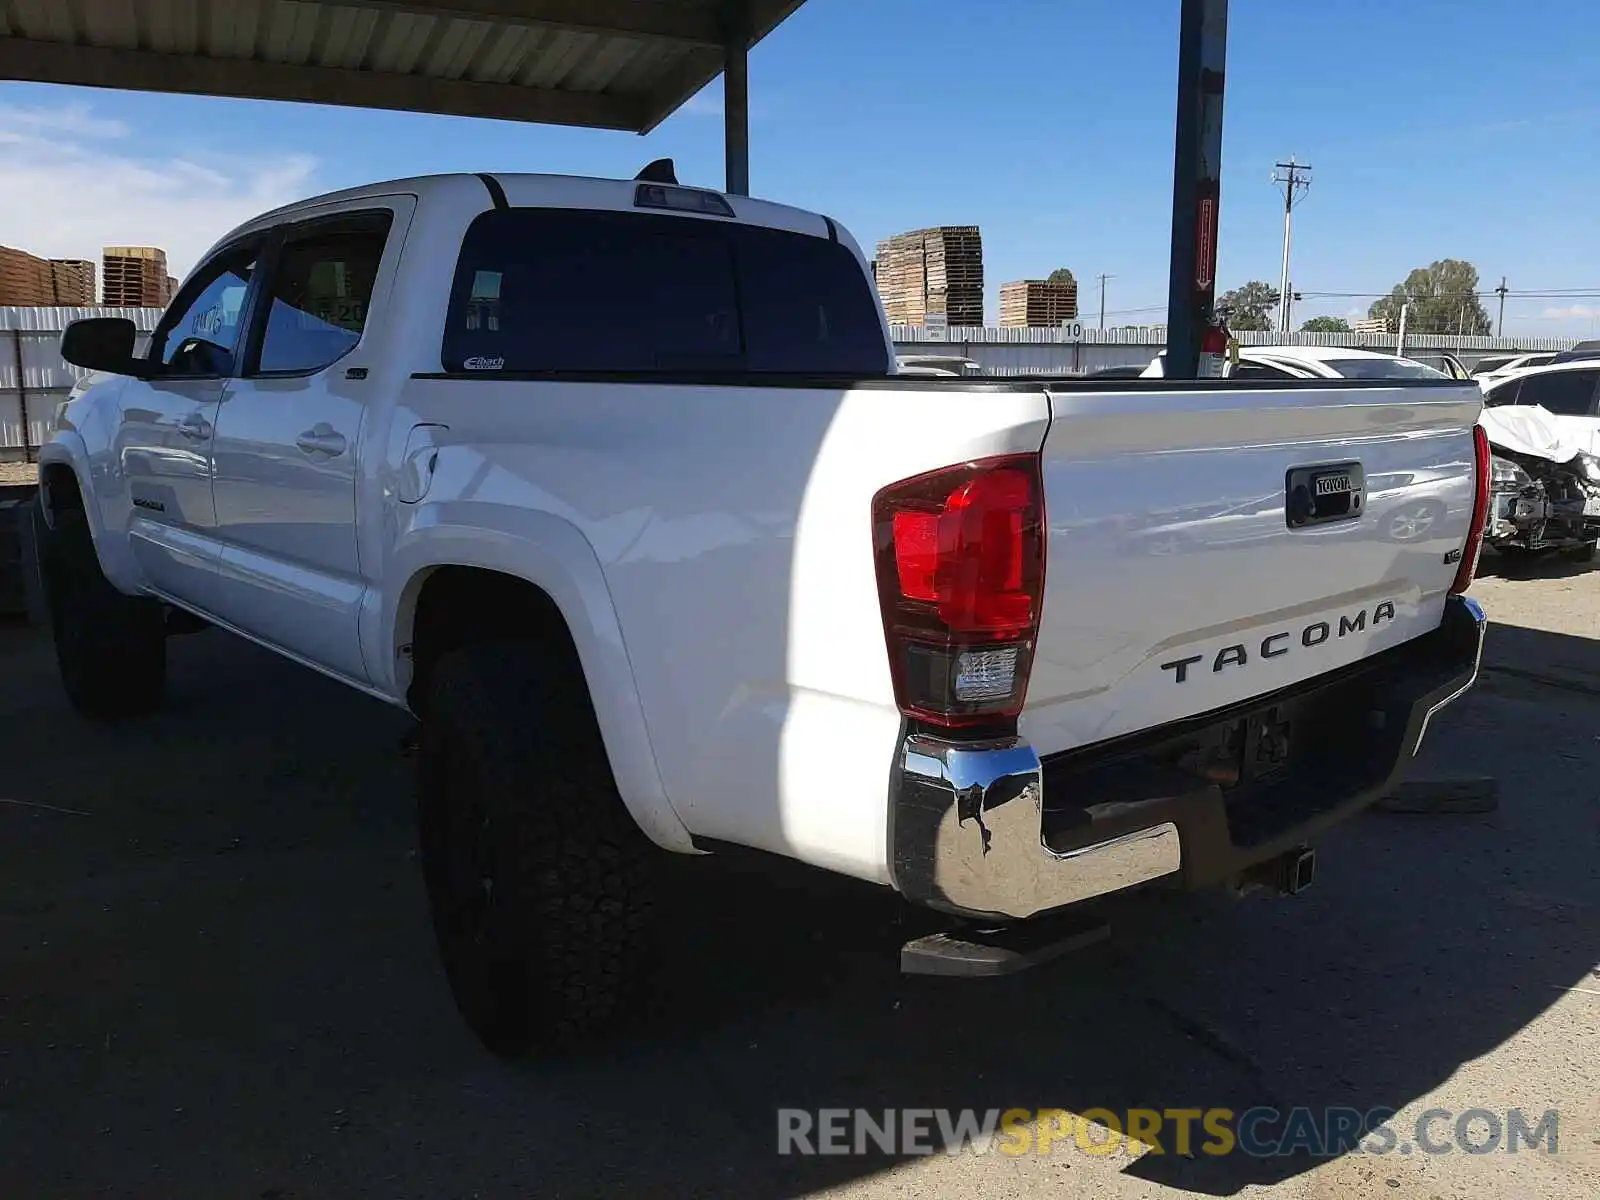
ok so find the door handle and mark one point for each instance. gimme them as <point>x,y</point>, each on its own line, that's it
<point>322,438</point>
<point>195,426</point>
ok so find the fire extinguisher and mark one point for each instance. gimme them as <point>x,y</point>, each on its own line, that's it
<point>1214,346</point>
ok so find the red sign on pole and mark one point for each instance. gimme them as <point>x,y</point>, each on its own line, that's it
<point>1205,267</point>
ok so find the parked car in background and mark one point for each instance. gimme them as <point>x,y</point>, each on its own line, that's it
<point>1569,393</point>
<point>1544,487</point>
<point>1583,350</point>
<point>1498,366</point>
<point>937,364</point>
<point>1313,362</point>
<point>1447,364</point>
<point>1125,371</point>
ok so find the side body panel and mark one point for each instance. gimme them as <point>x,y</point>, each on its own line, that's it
<point>732,528</point>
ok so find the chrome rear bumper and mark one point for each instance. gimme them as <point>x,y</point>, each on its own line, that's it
<point>975,828</point>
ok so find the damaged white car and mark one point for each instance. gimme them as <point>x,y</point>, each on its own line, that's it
<point>1544,487</point>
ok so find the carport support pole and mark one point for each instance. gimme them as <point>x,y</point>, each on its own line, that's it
<point>1196,182</point>
<point>736,109</point>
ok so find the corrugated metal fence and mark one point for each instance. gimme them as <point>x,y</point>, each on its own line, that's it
<point>1058,352</point>
<point>33,379</point>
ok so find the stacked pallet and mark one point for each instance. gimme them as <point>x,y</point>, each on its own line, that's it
<point>73,280</point>
<point>171,288</point>
<point>134,276</point>
<point>932,271</point>
<point>24,279</point>
<point>30,281</point>
<point>1038,303</point>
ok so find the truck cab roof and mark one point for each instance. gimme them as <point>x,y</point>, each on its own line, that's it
<point>486,190</point>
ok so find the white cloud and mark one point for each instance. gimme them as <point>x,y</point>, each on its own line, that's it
<point>71,120</point>
<point>70,184</point>
<point>702,105</point>
<point>1571,312</point>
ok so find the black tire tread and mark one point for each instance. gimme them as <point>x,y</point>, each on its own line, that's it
<point>579,870</point>
<point>111,648</point>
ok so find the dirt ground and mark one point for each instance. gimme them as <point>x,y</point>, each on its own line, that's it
<point>18,472</point>
<point>217,977</point>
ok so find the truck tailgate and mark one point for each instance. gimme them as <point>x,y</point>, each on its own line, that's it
<point>1177,581</point>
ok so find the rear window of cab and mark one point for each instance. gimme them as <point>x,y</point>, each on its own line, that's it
<point>558,290</point>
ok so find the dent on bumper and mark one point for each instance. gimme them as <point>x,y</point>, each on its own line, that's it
<point>968,819</point>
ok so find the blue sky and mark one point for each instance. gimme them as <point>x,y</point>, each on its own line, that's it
<point>1437,129</point>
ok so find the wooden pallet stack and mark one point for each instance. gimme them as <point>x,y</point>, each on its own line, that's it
<point>24,278</point>
<point>133,276</point>
<point>937,271</point>
<point>73,280</point>
<point>1038,303</point>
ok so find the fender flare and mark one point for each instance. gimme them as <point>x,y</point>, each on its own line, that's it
<point>67,448</point>
<point>553,555</point>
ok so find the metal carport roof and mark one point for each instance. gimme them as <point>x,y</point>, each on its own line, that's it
<point>606,64</point>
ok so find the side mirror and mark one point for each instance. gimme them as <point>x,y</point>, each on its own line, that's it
<point>102,344</point>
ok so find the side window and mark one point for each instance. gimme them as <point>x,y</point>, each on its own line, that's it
<point>1502,393</point>
<point>1251,370</point>
<point>200,334</point>
<point>1569,393</point>
<point>319,292</point>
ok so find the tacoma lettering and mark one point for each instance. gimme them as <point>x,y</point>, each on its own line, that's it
<point>1276,645</point>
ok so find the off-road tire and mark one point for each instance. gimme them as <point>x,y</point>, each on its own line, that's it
<point>539,882</point>
<point>111,648</point>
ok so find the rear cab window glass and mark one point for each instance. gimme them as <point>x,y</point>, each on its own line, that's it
<point>554,290</point>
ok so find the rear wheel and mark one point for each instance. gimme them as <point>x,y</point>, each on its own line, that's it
<point>111,648</point>
<point>538,880</point>
<point>1582,554</point>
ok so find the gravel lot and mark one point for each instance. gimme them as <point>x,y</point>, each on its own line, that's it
<point>217,979</point>
<point>18,472</point>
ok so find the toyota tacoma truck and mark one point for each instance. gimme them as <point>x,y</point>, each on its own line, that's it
<point>613,484</point>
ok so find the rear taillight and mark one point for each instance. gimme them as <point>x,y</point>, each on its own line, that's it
<point>960,557</point>
<point>1480,513</point>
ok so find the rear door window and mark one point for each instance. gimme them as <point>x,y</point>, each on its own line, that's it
<point>554,290</point>
<point>319,292</point>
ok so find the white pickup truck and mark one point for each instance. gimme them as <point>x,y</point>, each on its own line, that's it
<point>614,486</point>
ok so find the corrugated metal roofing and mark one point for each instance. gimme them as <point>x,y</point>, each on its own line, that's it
<point>614,64</point>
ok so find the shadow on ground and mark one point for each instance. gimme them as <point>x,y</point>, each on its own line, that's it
<point>216,976</point>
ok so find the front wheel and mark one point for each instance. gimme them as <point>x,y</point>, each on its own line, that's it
<point>538,879</point>
<point>111,648</point>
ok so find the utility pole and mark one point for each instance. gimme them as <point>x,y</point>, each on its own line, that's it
<point>1196,186</point>
<point>1295,179</point>
<point>1500,325</point>
<point>1103,279</point>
